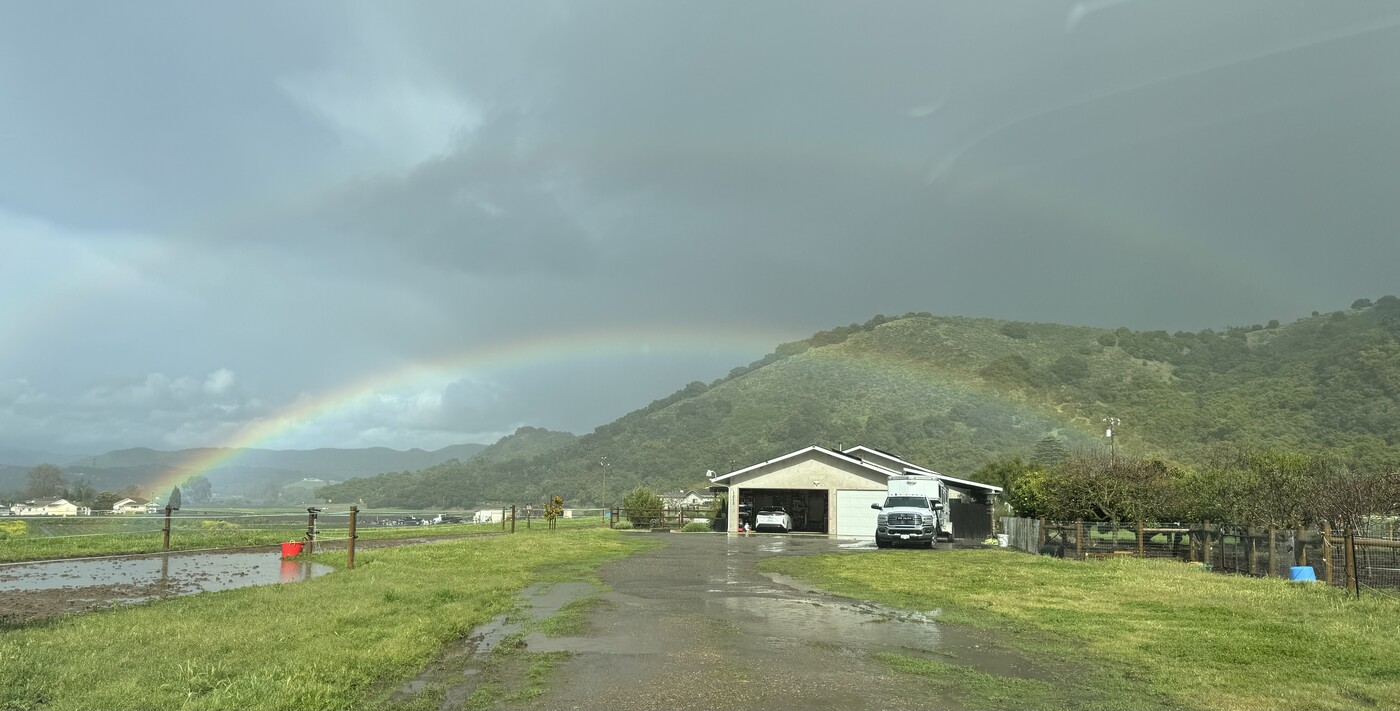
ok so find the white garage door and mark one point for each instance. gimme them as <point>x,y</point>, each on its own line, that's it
<point>854,517</point>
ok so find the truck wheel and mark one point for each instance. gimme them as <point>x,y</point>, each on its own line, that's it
<point>881,544</point>
<point>930,544</point>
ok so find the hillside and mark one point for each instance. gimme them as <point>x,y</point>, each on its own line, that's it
<point>954,392</point>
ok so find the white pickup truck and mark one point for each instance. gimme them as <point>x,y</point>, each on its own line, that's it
<point>913,512</point>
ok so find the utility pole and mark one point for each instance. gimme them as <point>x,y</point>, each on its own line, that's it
<point>603,462</point>
<point>1112,424</point>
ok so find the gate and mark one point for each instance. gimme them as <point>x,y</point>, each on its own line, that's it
<point>970,520</point>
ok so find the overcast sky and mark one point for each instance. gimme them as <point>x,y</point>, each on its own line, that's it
<point>219,219</point>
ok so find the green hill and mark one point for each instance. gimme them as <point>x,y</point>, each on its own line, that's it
<point>952,393</point>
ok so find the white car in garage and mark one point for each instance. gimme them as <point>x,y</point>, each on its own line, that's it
<point>773,518</point>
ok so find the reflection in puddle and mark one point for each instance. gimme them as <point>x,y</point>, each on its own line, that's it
<point>180,573</point>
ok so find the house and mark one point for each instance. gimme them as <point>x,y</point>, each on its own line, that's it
<point>688,498</point>
<point>130,506</point>
<point>56,507</point>
<point>152,507</point>
<point>829,491</point>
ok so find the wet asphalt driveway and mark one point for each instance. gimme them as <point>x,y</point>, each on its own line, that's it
<point>693,625</point>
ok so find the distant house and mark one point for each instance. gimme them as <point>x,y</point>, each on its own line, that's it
<point>56,507</point>
<point>131,506</point>
<point>688,498</point>
<point>152,507</point>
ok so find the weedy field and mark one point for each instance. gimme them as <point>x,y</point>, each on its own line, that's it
<point>344,640</point>
<point>1208,641</point>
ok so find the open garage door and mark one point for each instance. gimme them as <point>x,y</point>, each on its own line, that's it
<point>854,517</point>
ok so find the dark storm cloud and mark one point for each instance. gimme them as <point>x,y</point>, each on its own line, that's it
<point>322,194</point>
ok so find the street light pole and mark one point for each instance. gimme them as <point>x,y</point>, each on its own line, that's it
<point>1113,423</point>
<point>603,462</point>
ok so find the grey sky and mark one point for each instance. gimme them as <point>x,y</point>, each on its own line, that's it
<point>213,216</point>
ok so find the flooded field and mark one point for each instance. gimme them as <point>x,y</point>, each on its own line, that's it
<point>30,591</point>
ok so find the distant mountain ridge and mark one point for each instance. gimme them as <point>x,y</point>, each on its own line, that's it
<point>338,463</point>
<point>249,473</point>
<point>953,393</point>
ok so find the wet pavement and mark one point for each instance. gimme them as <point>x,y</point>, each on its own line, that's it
<point>32,591</point>
<point>693,625</point>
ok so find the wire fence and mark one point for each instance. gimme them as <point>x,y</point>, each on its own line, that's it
<point>32,538</point>
<point>1364,559</point>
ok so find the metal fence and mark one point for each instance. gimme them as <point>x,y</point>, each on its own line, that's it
<point>1364,559</point>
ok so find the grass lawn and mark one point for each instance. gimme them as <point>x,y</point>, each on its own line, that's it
<point>1195,639</point>
<point>344,640</point>
<point>78,537</point>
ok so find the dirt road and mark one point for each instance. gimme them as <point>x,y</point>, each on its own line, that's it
<point>693,625</point>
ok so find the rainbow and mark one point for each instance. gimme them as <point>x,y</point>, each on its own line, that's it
<point>555,348</point>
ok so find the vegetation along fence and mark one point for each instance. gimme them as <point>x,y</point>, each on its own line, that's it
<point>1366,558</point>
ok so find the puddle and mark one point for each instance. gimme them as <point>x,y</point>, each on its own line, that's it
<point>463,659</point>
<point>37,590</point>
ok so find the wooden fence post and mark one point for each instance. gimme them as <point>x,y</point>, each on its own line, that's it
<point>1351,561</point>
<point>166,544</point>
<point>1141,542</point>
<point>1300,550</point>
<point>1273,552</point>
<point>1253,551</point>
<point>1191,539</point>
<point>512,518</point>
<point>1327,551</point>
<point>1041,537</point>
<point>311,530</point>
<point>350,540</point>
<point>1079,539</point>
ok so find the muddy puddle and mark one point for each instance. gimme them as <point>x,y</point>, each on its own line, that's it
<point>459,668</point>
<point>30,591</point>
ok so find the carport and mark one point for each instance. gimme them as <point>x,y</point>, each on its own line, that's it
<point>825,491</point>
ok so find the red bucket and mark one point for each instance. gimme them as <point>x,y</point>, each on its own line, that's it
<point>291,550</point>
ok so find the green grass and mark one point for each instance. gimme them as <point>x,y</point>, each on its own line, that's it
<point>344,640</point>
<point>1191,638</point>
<point>78,537</point>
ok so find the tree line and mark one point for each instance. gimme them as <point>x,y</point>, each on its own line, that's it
<point>1237,486</point>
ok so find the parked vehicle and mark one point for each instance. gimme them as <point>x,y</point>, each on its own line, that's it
<point>773,518</point>
<point>913,512</point>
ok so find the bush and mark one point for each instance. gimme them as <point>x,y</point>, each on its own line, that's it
<point>641,507</point>
<point>696,527</point>
<point>218,525</point>
<point>10,529</point>
<point>623,525</point>
<point>1015,330</point>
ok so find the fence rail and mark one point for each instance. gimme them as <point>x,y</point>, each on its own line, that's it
<point>1367,558</point>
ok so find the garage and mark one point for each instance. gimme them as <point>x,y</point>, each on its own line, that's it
<point>854,512</point>
<point>807,507</point>
<point>823,490</point>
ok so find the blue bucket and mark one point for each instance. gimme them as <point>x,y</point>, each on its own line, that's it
<point>1302,572</point>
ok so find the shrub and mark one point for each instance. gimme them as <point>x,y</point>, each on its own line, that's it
<point>10,529</point>
<point>623,525</point>
<point>1015,330</point>
<point>218,525</point>
<point>641,507</point>
<point>696,527</point>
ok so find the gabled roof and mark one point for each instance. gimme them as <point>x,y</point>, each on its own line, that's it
<point>911,468</point>
<point>814,448</point>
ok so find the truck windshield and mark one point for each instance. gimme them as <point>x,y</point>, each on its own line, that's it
<point>917,502</point>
